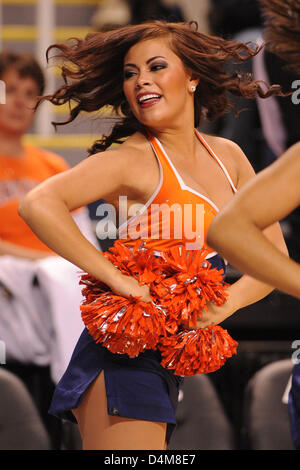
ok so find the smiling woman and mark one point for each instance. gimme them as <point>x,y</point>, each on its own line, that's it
<point>153,87</point>
<point>162,79</point>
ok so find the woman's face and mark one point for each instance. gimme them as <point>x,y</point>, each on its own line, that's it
<point>156,84</point>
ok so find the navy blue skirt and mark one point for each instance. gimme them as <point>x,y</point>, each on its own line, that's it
<point>137,387</point>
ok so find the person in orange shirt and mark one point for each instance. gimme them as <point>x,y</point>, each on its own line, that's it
<point>32,276</point>
<point>21,166</point>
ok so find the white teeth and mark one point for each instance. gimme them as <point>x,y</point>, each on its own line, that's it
<point>147,97</point>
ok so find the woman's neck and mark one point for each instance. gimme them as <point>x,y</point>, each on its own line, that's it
<point>181,141</point>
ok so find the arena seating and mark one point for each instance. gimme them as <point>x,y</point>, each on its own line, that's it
<point>21,427</point>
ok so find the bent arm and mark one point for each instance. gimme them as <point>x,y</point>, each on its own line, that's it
<point>46,209</point>
<point>239,232</point>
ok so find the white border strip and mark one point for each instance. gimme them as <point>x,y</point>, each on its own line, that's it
<point>218,160</point>
<point>181,182</point>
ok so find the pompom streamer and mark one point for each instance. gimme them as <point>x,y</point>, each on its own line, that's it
<point>181,284</point>
<point>199,351</point>
<point>124,326</point>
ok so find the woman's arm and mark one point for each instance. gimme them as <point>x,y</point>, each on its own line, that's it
<point>46,209</point>
<point>239,232</point>
<point>247,290</point>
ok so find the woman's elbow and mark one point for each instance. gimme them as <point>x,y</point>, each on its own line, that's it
<point>23,207</point>
<point>217,229</point>
<point>280,240</point>
<point>28,203</point>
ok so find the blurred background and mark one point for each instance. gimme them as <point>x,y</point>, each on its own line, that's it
<point>227,415</point>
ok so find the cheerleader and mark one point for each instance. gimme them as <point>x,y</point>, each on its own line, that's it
<point>163,79</point>
<point>238,231</point>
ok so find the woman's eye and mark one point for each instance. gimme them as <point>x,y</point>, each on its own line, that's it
<point>158,67</point>
<point>155,67</point>
<point>128,74</point>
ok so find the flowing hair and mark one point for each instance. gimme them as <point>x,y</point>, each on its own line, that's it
<point>92,69</point>
<point>282,30</point>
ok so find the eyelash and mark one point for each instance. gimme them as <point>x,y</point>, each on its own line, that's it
<point>155,67</point>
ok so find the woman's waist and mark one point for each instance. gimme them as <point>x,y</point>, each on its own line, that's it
<point>159,246</point>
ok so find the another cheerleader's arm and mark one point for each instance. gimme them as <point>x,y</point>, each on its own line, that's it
<point>247,290</point>
<point>46,209</point>
<point>240,230</point>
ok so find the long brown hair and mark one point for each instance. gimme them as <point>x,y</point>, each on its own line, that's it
<point>282,30</point>
<point>94,66</point>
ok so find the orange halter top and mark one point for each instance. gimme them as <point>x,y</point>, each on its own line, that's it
<point>175,213</point>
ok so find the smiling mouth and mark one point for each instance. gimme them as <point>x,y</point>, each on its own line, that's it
<point>148,100</point>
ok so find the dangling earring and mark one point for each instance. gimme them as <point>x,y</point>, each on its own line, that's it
<point>193,88</point>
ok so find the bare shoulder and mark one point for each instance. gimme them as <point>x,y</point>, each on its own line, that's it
<point>125,153</point>
<point>136,155</point>
<point>135,145</point>
<point>104,175</point>
<point>130,157</point>
<point>233,157</point>
<point>227,150</point>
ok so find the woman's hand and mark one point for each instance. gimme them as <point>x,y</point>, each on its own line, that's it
<point>128,285</point>
<point>214,315</point>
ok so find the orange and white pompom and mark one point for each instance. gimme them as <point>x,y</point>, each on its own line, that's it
<point>181,284</point>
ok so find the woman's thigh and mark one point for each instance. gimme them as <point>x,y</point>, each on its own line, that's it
<point>99,430</point>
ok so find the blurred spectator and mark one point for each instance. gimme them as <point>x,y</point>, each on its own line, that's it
<point>265,128</point>
<point>22,167</point>
<point>39,291</point>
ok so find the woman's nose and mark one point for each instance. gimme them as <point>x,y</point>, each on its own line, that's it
<point>143,80</point>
